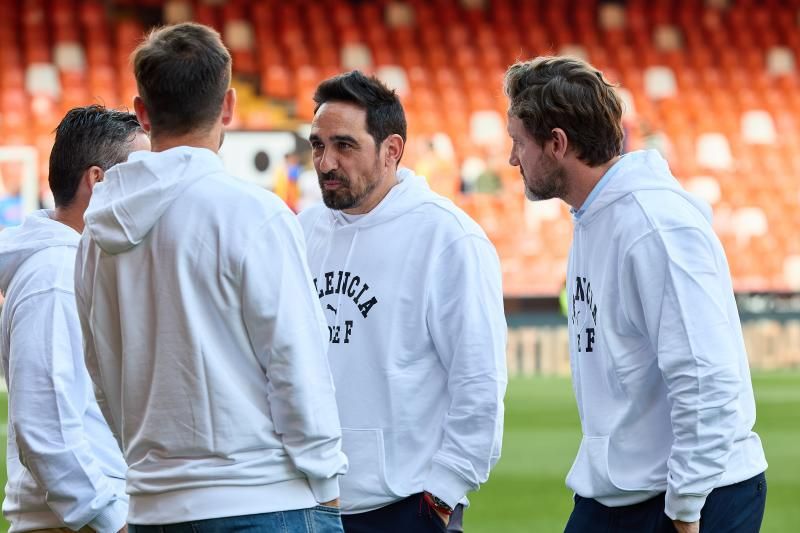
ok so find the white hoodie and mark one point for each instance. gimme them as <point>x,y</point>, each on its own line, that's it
<point>658,361</point>
<point>64,466</point>
<point>206,341</point>
<point>413,296</point>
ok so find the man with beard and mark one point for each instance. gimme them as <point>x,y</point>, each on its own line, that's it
<point>658,362</point>
<point>203,331</point>
<point>411,288</point>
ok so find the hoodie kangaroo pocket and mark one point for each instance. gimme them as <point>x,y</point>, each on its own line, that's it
<point>589,476</point>
<point>365,483</point>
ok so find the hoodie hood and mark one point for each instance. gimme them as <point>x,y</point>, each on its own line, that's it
<point>411,190</point>
<point>37,232</point>
<point>131,199</point>
<point>639,171</point>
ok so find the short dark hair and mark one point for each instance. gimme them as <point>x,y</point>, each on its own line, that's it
<point>385,114</point>
<point>567,93</point>
<point>182,73</point>
<point>85,137</point>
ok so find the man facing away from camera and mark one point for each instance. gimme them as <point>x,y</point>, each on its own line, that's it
<point>65,470</point>
<point>658,362</point>
<point>412,291</point>
<point>203,331</point>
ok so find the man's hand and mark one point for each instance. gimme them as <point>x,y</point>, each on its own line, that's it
<point>687,527</point>
<point>124,529</point>
<point>332,503</point>
<point>431,502</point>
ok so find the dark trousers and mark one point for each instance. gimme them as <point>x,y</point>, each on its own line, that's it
<point>737,508</point>
<point>456,524</point>
<point>410,515</point>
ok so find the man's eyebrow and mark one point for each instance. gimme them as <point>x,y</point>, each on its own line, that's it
<point>344,138</point>
<point>313,137</point>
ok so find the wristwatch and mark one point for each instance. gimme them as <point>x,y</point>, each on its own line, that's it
<point>438,503</point>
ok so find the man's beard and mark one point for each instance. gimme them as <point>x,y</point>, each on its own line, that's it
<point>554,185</point>
<point>344,197</point>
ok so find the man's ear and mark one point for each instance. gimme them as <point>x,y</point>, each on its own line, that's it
<point>92,176</point>
<point>228,106</point>
<point>394,149</point>
<point>559,143</point>
<point>141,113</point>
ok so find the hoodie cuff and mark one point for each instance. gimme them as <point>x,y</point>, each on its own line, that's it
<point>446,485</point>
<point>684,508</point>
<point>111,519</point>
<point>325,490</point>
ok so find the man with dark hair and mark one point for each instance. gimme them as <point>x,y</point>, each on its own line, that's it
<point>92,138</point>
<point>65,470</point>
<point>658,362</point>
<point>203,333</point>
<point>412,291</point>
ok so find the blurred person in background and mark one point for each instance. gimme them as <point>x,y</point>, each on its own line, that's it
<point>658,361</point>
<point>203,332</point>
<point>65,469</point>
<point>10,194</point>
<point>412,291</point>
<point>286,181</point>
<point>438,166</point>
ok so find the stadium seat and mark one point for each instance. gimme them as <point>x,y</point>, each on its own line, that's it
<point>276,81</point>
<point>69,56</point>
<point>238,35</point>
<point>758,127</point>
<point>177,11</point>
<point>713,151</point>
<point>102,85</point>
<point>706,187</point>
<point>92,15</point>
<point>487,128</point>
<point>399,14</point>
<point>750,222</point>
<point>394,76</point>
<point>780,60</point>
<point>659,82</point>
<point>573,50</point>
<point>42,79</point>
<point>667,38</point>
<point>356,56</point>
<point>611,16</point>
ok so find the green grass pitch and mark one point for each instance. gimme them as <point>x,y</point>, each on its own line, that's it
<point>526,492</point>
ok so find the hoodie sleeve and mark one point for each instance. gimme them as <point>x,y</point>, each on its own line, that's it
<point>288,333</point>
<point>50,393</point>
<point>466,320</point>
<point>84,274</point>
<point>676,288</point>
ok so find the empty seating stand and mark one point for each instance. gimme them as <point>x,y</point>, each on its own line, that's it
<point>712,84</point>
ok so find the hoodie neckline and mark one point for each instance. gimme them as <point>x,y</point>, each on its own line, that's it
<point>395,203</point>
<point>636,172</point>
<point>204,155</point>
<point>37,232</point>
<point>595,192</point>
<point>135,194</point>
